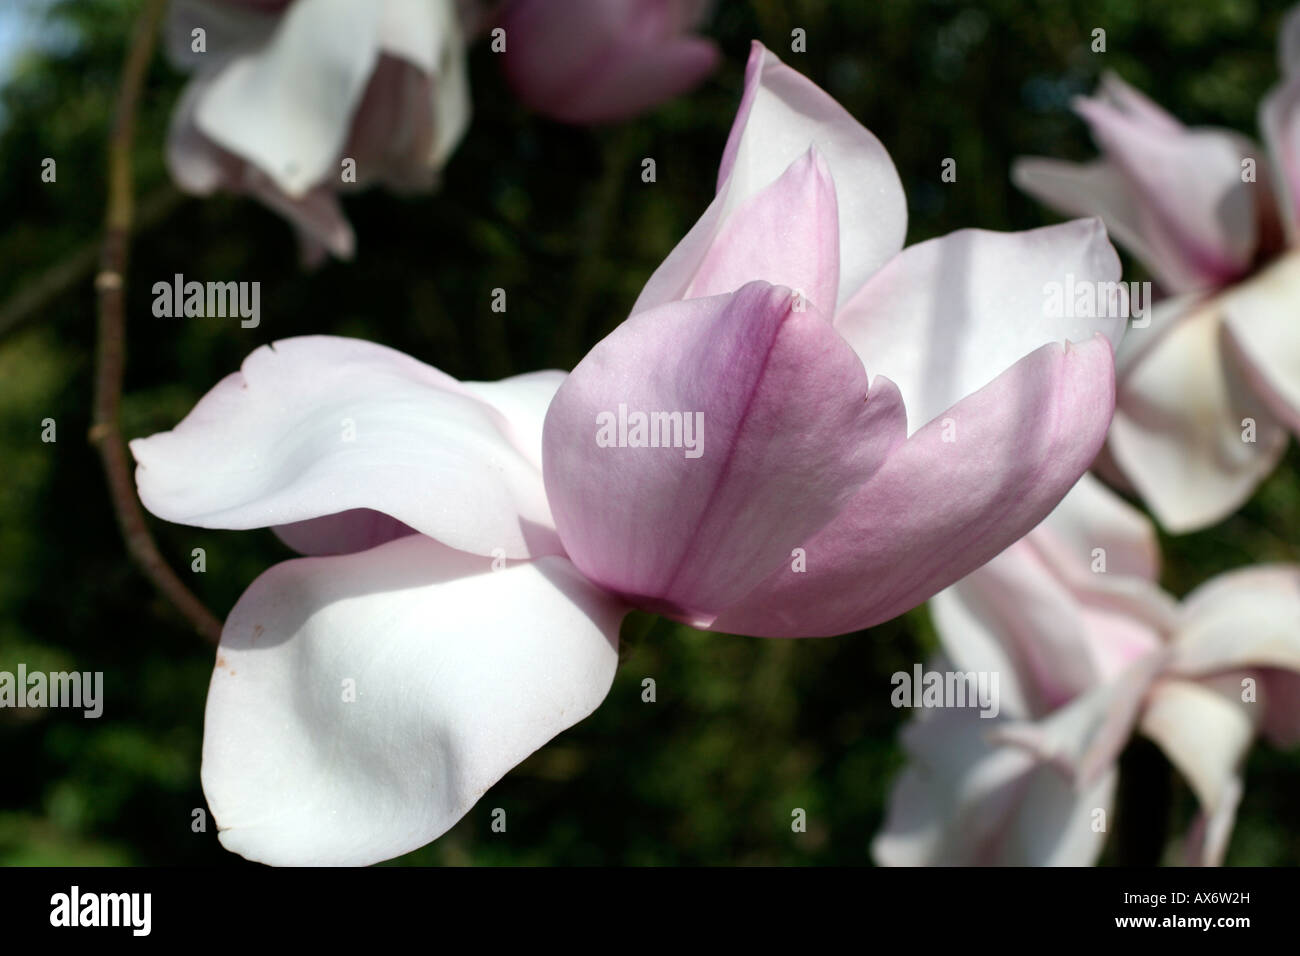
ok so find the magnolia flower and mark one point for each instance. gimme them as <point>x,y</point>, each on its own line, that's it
<point>475,545</point>
<point>1207,392</point>
<point>295,100</point>
<point>1088,649</point>
<point>590,61</point>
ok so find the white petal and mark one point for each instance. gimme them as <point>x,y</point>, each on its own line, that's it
<point>1243,619</point>
<point>1014,619</point>
<point>1085,737</point>
<point>459,673</point>
<point>1087,189</point>
<point>1263,317</point>
<point>287,106</point>
<point>1092,516</point>
<point>1206,731</point>
<point>962,801</point>
<point>1179,421</point>
<point>316,426</point>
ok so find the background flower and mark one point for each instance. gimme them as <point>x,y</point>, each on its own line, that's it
<point>1209,390</point>
<point>1089,650</point>
<point>285,92</point>
<point>592,61</point>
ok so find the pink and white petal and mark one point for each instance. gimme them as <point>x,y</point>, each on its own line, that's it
<point>962,801</point>
<point>1198,217</point>
<point>782,114</point>
<point>287,106</point>
<point>1262,316</point>
<point>1085,737</point>
<point>523,400</point>
<point>317,425</point>
<point>1137,105</point>
<point>1014,618</point>
<point>946,317</point>
<point>1092,516</point>
<point>1179,425</point>
<point>787,433</point>
<point>362,704</point>
<point>955,494</point>
<point>1279,121</point>
<point>357,530</point>
<point>1247,618</point>
<point>787,234</point>
<point>1206,731</point>
<point>1088,189</point>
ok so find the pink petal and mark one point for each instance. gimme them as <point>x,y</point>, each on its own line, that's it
<point>939,509</point>
<point>782,114</point>
<point>946,317</point>
<point>790,433</point>
<point>787,234</point>
<point>361,705</point>
<point>1198,217</point>
<point>593,61</point>
<point>316,426</point>
<point>1137,106</point>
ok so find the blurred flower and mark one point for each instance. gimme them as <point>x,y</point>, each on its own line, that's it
<point>506,539</point>
<point>1219,229</point>
<point>591,61</point>
<point>285,93</point>
<point>1089,650</point>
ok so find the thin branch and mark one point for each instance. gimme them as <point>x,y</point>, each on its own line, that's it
<point>110,352</point>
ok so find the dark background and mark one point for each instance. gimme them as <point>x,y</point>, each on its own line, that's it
<point>744,730</point>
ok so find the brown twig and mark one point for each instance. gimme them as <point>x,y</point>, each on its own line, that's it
<point>110,352</point>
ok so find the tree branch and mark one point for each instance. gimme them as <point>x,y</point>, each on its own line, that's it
<point>110,352</point>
